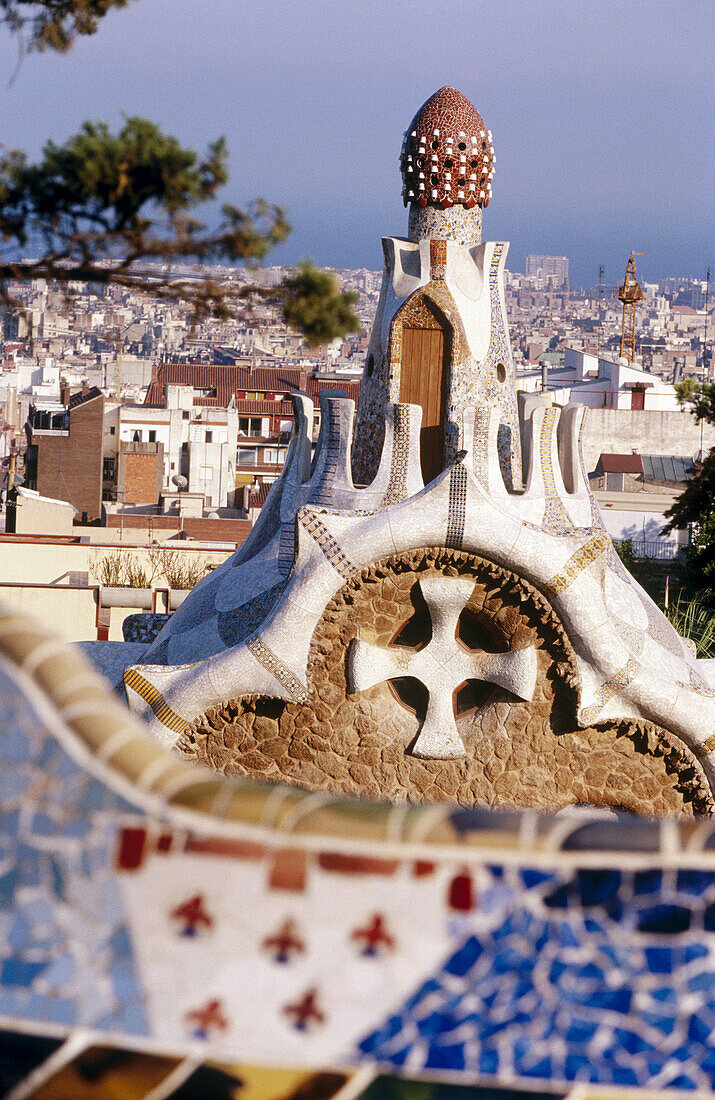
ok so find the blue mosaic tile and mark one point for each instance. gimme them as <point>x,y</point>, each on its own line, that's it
<point>598,887</point>
<point>659,960</point>
<point>58,855</point>
<point>695,882</point>
<point>532,878</point>
<point>664,919</point>
<point>647,882</point>
<point>8,882</point>
<point>14,971</point>
<point>620,992</point>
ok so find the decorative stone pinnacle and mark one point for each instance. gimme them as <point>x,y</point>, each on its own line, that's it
<point>442,666</point>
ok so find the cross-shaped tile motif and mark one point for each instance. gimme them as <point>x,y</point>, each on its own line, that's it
<point>442,666</point>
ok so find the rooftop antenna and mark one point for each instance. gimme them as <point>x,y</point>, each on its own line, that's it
<point>630,294</point>
<point>705,329</point>
<point>600,291</point>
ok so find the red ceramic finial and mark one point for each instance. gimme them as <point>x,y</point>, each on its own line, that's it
<point>447,156</point>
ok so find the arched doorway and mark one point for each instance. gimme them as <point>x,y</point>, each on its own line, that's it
<point>424,373</point>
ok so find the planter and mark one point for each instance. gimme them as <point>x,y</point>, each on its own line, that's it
<point>142,598</point>
<point>177,597</point>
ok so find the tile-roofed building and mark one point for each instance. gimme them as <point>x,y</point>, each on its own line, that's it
<point>621,464</point>
<point>217,384</point>
<point>84,395</point>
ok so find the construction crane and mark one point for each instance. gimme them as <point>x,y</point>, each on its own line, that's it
<point>630,293</point>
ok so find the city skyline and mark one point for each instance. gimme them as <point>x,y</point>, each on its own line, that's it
<point>600,117</point>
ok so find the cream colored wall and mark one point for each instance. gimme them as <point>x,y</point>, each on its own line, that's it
<point>35,580</point>
<point>51,563</point>
<point>36,517</point>
<point>68,612</point>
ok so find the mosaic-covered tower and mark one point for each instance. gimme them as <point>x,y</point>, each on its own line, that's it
<point>440,338</point>
<point>434,629</point>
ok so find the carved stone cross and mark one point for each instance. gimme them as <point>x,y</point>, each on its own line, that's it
<point>442,666</point>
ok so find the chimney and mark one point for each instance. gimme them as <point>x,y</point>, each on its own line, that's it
<point>303,379</point>
<point>544,377</point>
<point>64,392</point>
<point>85,387</point>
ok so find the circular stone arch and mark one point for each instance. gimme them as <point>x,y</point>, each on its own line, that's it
<point>518,754</point>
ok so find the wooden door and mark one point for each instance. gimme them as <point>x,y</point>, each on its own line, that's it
<point>422,382</point>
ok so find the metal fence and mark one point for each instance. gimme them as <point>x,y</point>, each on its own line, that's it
<point>658,549</point>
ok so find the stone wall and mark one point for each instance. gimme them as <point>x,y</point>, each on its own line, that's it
<point>518,753</point>
<point>621,431</point>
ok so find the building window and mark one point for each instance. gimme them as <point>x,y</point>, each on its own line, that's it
<point>137,437</point>
<point>250,425</point>
<point>108,469</point>
<point>152,436</point>
<point>247,456</point>
<point>172,465</point>
<point>112,430</point>
<point>209,437</point>
<point>185,414</point>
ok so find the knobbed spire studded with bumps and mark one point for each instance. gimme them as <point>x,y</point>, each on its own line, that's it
<point>447,156</point>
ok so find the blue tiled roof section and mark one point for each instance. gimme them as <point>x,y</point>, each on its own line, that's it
<point>598,976</point>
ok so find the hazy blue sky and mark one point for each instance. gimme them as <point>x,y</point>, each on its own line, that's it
<point>601,113</point>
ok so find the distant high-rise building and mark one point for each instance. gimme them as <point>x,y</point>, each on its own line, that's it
<point>552,269</point>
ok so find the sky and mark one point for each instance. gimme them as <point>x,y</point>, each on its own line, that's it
<point>601,114</point>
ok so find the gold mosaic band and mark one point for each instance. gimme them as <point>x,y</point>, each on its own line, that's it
<point>705,747</point>
<point>583,557</point>
<point>156,701</point>
<point>620,679</point>
<point>555,515</point>
<point>329,545</point>
<point>272,662</point>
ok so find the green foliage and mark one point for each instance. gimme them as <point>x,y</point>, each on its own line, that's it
<point>649,574</point>
<point>700,396</point>
<point>103,203</point>
<point>695,507</point>
<point>54,24</point>
<point>314,304</point>
<point>693,619</point>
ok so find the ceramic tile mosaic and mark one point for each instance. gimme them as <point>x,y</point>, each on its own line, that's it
<point>495,970</point>
<point>447,156</point>
<point>603,977</point>
<point>143,627</point>
<point>455,223</point>
<point>66,952</point>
